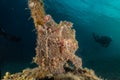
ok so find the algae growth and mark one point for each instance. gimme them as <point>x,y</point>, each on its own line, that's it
<point>55,51</point>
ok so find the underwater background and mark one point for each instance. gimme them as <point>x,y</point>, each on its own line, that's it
<point>98,16</point>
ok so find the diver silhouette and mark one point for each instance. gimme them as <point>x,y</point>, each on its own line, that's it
<point>8,36</point>
<point>103,40</point>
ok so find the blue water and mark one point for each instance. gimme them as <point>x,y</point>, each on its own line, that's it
<point>99,16</point>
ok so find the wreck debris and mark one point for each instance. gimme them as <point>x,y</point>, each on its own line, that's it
<point>56,44</point>
<point>56,47</point>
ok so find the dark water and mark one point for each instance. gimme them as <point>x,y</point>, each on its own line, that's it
<point>15,56</point>
<point>99,16</point>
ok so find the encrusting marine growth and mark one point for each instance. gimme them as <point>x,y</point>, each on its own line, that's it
<point>55,51</point>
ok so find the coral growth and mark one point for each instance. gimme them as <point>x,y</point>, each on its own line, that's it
<point>38,74</point>
<point>55,51</point>
<point>56,43</point>
<point>37,11</point>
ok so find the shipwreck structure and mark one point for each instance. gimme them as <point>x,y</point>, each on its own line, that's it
<point>56,43</point>
<point>55,50</point>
